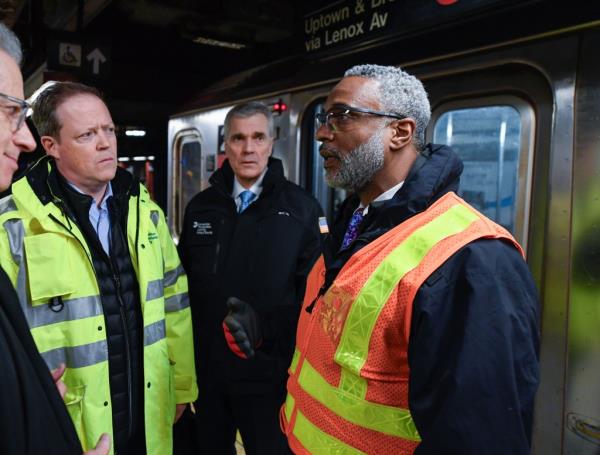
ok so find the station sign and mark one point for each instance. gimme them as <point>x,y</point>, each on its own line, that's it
<point>347,22</point>
<point>89,59</point>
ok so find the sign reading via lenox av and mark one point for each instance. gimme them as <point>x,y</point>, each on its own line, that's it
<point>349,21</point>
<point>344,21</point>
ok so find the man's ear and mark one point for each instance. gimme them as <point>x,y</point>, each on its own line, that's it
<point>402,133</point>
<point>272,146</point>
<point>50,146</point>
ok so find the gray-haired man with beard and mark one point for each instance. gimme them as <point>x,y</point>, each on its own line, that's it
<point>419,329</point>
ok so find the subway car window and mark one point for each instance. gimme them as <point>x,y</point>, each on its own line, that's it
<point>330,198</point>
<point>188,176</point>
<point>494,142</point>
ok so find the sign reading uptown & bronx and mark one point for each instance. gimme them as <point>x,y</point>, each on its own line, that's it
<point>346,22</point>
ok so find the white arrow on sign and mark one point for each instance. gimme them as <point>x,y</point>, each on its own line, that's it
<point>97,57</point>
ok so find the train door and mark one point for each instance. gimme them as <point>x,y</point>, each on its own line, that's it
<point>582,402</point>
<point>509,114</point>
<point>186,178</point>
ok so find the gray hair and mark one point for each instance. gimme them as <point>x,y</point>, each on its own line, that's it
<point>401,93</point>
<point>245,110</point>
<point>10,44</point>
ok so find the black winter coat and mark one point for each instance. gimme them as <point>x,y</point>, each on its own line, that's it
<point>473,348</point>
<point>33,417</point>
<point>261,256</point>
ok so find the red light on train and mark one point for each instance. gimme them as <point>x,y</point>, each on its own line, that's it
<point>447,2</point>
<point>279,107</point>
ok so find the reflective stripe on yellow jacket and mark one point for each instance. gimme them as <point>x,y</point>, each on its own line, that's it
<point>49,262</point>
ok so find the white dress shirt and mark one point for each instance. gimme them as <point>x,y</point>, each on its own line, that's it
<point>383,196</point>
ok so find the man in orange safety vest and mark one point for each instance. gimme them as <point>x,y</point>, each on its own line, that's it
<point>419,329</point>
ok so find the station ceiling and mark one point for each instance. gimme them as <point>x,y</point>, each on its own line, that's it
<point>162,50</point>
<point>159,53</point>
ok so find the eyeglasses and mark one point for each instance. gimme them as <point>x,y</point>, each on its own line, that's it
<point>340,117</point>
<point>16,111</point>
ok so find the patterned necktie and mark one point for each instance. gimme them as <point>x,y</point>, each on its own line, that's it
<point>352,230</point>
<point>246,197</point>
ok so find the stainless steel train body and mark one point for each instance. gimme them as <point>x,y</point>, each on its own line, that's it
<point>525,116</point>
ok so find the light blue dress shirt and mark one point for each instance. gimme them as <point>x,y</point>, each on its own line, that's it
<point>99,217</point>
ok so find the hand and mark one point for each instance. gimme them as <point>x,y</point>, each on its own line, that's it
<point>102,446</point>
<point>242,329</point>
<point>57,375</point>
<point>179,408</point>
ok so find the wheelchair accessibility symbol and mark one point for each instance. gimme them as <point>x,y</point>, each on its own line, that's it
<point>69,54</point>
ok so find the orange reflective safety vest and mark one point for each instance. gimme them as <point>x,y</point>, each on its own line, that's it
<point>348,385</point>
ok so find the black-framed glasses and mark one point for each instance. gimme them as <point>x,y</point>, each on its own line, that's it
<point>16,111</point>
<point>340,117</point>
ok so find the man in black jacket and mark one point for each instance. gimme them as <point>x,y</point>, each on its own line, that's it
<point>33,418</point>
<point>247,245</point>
<point>419,332</point>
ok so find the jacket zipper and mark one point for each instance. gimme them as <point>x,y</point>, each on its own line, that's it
<point>123,322</point>
<point>127,351</point>
<point>129,368</point>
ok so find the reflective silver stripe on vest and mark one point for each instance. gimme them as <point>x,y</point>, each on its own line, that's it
<point>155,217</point>
<point>7,204</point>
<point>16,233</point>
<point>154,332</point>
<point>70,310</point>
<point>177,302</point>
<point>77,356</point>
<point>172,276</point>
<point>155,290</point>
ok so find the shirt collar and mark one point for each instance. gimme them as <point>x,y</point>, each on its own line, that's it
<point>386,195</point>
<point>256,187</point>
<point>108,193</point>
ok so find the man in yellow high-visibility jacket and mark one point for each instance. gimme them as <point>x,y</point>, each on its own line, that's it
<point>99,279</point>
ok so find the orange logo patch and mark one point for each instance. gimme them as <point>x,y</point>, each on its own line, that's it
<point>334,310</point>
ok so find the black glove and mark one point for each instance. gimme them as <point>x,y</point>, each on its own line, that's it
<point>242,328</point>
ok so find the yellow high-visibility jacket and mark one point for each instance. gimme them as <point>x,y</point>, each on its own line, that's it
<point>46,257</point>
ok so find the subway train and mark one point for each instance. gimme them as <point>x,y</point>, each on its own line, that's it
<point>515,90</point>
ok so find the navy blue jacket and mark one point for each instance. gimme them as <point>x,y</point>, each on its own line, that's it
<point>473,348</point>
<point>261,256</point>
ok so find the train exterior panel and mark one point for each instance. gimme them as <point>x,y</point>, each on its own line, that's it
<point>522,111</point>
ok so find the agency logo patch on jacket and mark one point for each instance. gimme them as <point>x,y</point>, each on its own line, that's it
<point>202,228</point>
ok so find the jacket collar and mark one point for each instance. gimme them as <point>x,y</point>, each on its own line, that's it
<point>222,178</point>
<point>436,172</point>
<point>48,185</point>
<point>45,180</point>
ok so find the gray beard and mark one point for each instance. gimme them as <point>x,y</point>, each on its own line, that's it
<point>359,166</point>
